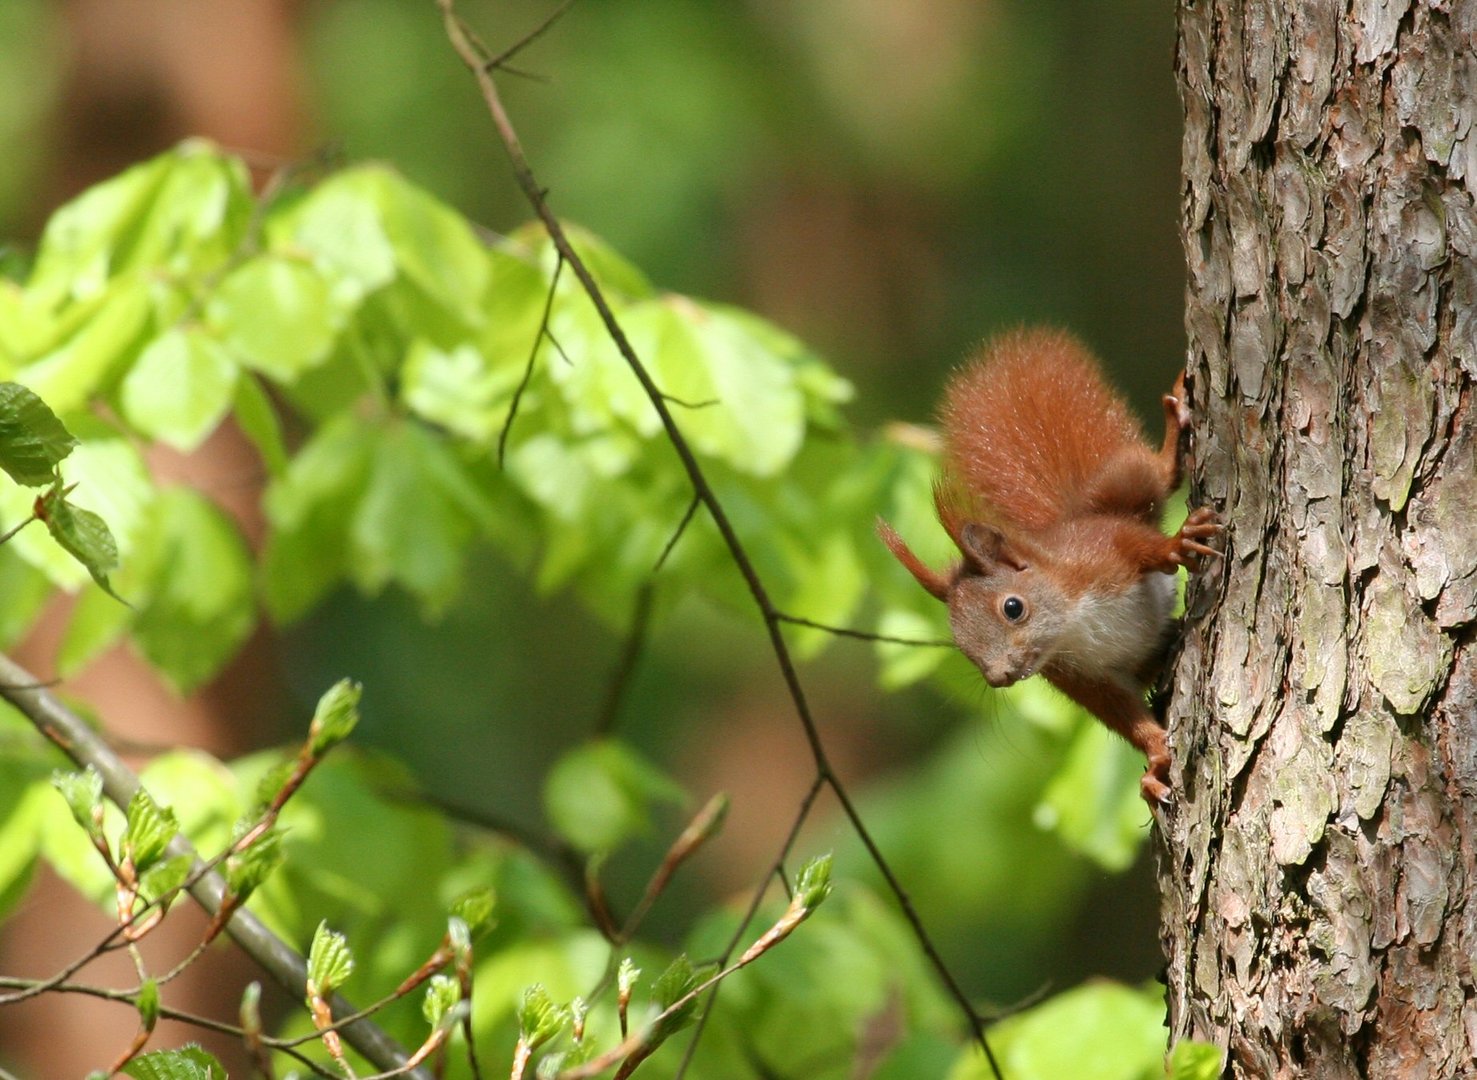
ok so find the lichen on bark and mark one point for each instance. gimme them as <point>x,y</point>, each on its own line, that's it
<point>1319,867</point>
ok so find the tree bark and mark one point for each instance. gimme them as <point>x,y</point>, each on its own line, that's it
<point>1319,868</point>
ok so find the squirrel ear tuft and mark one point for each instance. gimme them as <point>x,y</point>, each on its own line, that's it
<point>986,547</point>
<point>935,583</point>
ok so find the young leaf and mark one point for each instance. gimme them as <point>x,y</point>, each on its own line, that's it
<point>335,717</point>
<point>813,883</point>
<point>246,870</point>
<point>626,976</point>
<point>82,534</point>
<point>442,994</point>
<point>277,315</point>
<point>539,1018</point>
<point>164,877</point>
<point>679,980</point>
<point>475,908</point>
<point>188,1063</point>
<point>149,830</point>
<point>147,1004</point>
<point>32,440</point>
<point>179,388</point>
<point>329,961</point>
<point>83,792</point>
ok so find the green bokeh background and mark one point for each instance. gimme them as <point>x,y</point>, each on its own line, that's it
<point>889,181</point>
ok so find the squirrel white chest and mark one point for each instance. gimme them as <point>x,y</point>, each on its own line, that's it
<point>1115,634</point>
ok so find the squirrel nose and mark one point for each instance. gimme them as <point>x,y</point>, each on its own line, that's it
<point>1000,677</point>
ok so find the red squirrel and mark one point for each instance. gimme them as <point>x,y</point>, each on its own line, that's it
<point>1053,498</point>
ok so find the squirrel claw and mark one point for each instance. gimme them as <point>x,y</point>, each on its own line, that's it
<point>1176,412</point>
<point>1186,546</point>
<point>1154,790</point>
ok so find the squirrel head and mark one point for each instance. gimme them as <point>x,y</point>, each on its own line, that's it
<point>1006,611</point>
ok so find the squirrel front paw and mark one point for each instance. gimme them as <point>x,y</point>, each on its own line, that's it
<point>1187,547</point>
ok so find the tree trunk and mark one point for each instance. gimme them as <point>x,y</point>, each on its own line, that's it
<point>1319,869</point>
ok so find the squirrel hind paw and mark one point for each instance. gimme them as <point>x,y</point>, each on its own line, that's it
<point>1155,791</point>
<point>1176,412</point>
<point>1187,547</point>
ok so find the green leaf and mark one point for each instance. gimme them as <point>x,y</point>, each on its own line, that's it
<point>732,396</point>
<point>335,717</point>
<point>310,508</point>
<point>813,882</point>
<point>96,349</point>
<point>434,246</point>
<point>417,518</point>
<point>1191,1060</point>
<point>108,478</point>
<point>82,534</point>
<point>339,228</point>
<point>182,212</point>
<point>188,1063</point>
<point>1093,801</point>
<point>1098,1031</point>
<point>475,908</point>
<point>201,606</point>
<point>329,961</point>
<point>149,830</point>
<point>602,794</point>
<point>675,983</point>
<point>458,389</point>
<point>539,1018</point>
<point>247,869</point>
<point>277,315</point>
<point>442,994</point>
<point>147,1004</point>
<point>616,274</point>
<point>32,440</point>
<point>258,422</point>
<point>179,388</point>
<point>83,792</point>
<point>166,876</point>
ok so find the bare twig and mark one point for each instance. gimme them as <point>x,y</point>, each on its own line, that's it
<point>863,635</point>
<point>538,341</point>
<point>86,748</point>
<point>461,41</point>
<point>677,534</point>
<point>500,61</point>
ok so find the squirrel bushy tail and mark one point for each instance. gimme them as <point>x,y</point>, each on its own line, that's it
<point>1029,425</point>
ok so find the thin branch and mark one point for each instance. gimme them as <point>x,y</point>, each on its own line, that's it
<point>677,533</point>
<point>620,678</point>
<point>86,748</point>
<point>500,61</point>
<point>776,870</point>
<point>457,34</point>
<point>863,635</point>
<point>538,340</point>
<point>181,1016</point>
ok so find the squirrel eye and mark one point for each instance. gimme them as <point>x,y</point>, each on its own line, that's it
<point>1013,607</point>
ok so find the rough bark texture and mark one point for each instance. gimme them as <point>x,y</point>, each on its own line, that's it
<point>1320,867</point>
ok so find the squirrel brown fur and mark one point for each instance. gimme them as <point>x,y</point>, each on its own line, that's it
<point>1053,498</point>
